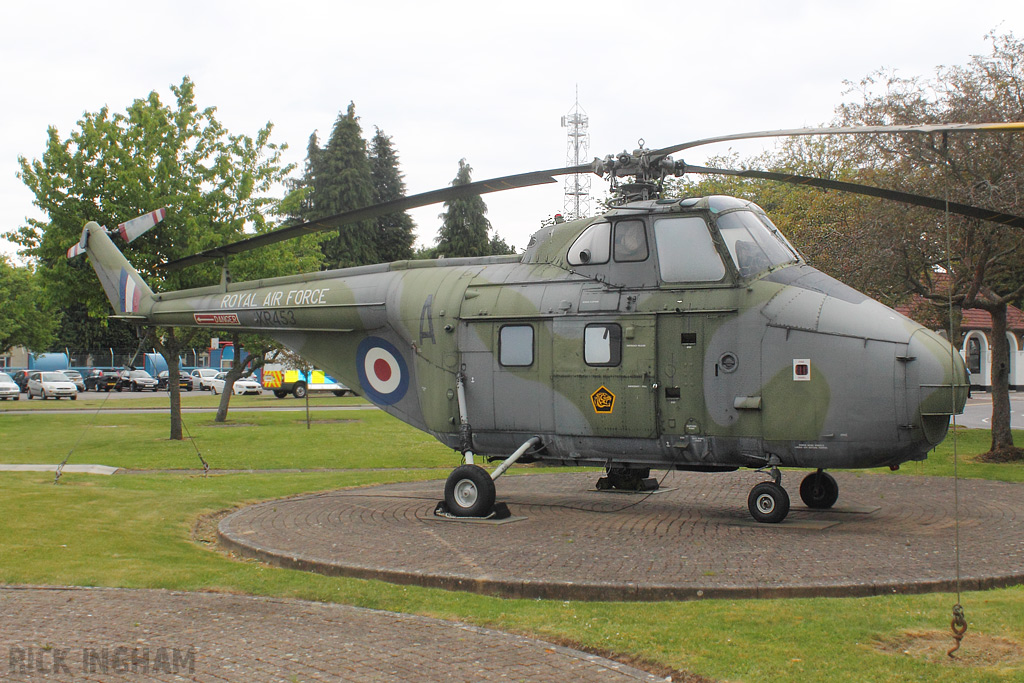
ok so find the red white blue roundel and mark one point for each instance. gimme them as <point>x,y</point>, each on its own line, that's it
<point>382,371</point>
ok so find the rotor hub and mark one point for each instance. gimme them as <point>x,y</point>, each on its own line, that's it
<point>647,169</point>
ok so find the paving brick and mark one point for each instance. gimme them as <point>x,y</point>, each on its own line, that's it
<point>887,534</point>
<point>89,634</point>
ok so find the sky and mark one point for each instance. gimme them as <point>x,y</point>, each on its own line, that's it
<point>488,82</point>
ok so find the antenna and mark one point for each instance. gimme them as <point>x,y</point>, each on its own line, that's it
<point>577,187</point>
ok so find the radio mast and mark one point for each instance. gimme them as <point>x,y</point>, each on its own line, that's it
<point>577,187</point>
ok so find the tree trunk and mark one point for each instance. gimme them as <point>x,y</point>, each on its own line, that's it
<point>1002,437</point>
<point>170,348</point>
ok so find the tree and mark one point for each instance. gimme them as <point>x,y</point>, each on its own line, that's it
<point>258,352</point>
<point>114,166</point>
<point>394,232</point>
<point>338,179</point>
<point>26,318</point>
<point>981,259</point>
<point>499,247</point>
<point>464,227</point>
<point>892,250</point>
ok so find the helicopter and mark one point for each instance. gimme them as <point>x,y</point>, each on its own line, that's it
<point>667,333</point>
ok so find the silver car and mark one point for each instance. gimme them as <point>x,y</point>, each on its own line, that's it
<point>8,389</point>
<point>76,377</point>
<point>51,385</point>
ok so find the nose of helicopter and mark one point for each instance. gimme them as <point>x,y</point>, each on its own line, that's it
<point>935,384</point>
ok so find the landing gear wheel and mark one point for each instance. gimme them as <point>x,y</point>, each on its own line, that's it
<point>768,503</point>
<point>469,492</point>
<point>627,479</point>
<point>819,490</point>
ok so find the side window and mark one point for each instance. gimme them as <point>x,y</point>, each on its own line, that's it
<point>602,344</point>
<point>592,247</point>
<point>686,252</point>
<point>630,241</point>
<point>515,346</point>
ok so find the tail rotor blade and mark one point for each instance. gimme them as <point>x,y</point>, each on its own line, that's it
<point>130,230</point>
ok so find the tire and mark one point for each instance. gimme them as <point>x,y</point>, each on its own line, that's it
<point>279,393</point>
<point>213,390</point>
<point>768,503</point>
<point>299,391</point>
<point>469,492</point>
<point>29,396</point>
<point>819,490</point>
<point>74,397</point>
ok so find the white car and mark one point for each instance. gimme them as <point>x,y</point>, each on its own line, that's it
<point>8,389</point>
<point>51,385</point>
<point>246,385</point>
<point>203,376</point>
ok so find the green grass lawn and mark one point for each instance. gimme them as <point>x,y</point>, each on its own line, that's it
<point>137,531</point>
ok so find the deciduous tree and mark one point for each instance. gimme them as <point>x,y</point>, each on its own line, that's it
<point>114,166</point>
<point>26,318</point>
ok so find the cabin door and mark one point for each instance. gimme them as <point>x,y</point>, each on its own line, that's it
<point>603,375</point>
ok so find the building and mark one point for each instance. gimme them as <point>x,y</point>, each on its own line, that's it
<point>976,348</point>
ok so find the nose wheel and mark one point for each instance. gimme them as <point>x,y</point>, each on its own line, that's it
<point>768,502</point>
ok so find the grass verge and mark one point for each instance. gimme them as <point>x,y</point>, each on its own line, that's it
<point>136,531</point>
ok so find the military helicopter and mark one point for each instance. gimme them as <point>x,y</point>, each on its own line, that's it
<point>683,334</point>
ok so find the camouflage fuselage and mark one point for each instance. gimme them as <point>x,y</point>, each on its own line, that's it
<point>618,360</point>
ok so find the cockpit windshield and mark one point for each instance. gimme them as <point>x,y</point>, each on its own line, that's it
<point>755,244</point>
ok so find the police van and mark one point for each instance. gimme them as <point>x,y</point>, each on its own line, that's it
<point>284,381</point>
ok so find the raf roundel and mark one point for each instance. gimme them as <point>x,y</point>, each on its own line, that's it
<point>382,371</point>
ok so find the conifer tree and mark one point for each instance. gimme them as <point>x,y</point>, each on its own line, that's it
<point>394,234</point>
<point>338,179</point>
<point>464,227</point>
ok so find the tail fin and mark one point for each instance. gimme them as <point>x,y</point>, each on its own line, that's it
<point>128,292</point>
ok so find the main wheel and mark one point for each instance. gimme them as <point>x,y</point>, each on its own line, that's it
<point>819,490</point>
<point>469,491</point>
<point>768,503</point>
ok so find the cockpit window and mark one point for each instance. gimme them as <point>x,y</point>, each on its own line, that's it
<point>630,241</point>
<point>754,243</point>
<point>592,247</point>
<point>685,250</point>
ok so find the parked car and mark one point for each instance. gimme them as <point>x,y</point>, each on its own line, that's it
<point>246,385</point>
<point>51,385</point>
<point>136,380</point>
<point>101,380</point>
<point>76,377</point>
<point>21,379</point>
<point>185,382</point>
<point>204,376</point>
<point>8,388</point>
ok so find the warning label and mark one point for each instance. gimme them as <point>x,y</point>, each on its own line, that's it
<point>216,318</point>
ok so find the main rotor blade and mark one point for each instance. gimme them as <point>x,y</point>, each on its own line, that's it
<point>871,191</point>
<point>845,130</point>
<point>375,211</point>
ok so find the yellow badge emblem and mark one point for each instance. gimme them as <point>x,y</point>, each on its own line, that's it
<point>603,400</point>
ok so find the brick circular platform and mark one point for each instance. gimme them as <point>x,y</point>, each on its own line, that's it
<point>692,539</point>
<point>104,634</point>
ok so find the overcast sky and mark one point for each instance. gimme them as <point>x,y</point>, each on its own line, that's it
<point>485,81</point>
